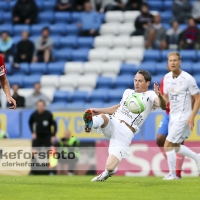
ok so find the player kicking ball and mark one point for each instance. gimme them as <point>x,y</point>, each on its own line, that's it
<point>179,90</point>
<point>121,122</point>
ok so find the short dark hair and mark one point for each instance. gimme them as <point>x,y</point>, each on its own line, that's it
<point>146,74</point>
<point>145,4</point>
<point>41,100</point>
<point>45,29</point>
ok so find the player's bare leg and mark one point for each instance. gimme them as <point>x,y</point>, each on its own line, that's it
<point>160,141</point>
<point>111,168</point>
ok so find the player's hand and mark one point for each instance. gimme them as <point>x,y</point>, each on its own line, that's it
<point>34,136</point>
<point>95,111</point>
<point>157,89</point>
<point>190,122</point>
<point>53,140</point>
<point>12,101</point>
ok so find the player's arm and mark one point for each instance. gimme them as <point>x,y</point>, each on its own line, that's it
<point>110,110</point>
<point>195,109</point>
<point>6,88</point>
<point>161,100</point>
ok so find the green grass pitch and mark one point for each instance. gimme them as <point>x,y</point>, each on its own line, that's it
<point>80,188</point>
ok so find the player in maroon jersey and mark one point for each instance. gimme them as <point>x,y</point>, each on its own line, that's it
<point>5,84</point>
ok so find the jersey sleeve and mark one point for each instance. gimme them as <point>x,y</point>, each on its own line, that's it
<point>125,95</point>
<point>2,66</point>
<point>164,86</point>
<point>192,86</point>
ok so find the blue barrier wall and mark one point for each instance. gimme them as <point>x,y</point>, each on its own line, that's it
<point>16,124</point>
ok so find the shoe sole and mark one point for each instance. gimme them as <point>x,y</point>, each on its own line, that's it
<point>87,116</point>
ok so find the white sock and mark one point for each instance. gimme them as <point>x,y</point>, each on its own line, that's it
<point>188,152</point>
<point>106,172</point>
<point>171,160</point>
<point>97,121</point>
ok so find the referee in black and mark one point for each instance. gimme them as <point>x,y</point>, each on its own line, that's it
<point>43,128</point>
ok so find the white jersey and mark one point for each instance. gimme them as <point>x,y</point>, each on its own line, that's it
<point>179,91</point>
<point>135,120</point>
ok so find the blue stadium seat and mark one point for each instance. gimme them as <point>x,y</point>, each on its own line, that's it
<point>80,54</point>
<point>4,6</point>
<point>63,54</point>
<point>128,69</point>
<point>188,55</point>
<point>187,66</point>
<point>151,55</point>
<point>68,41</point>
<point>46,17</point>
<point>198,55</point>
<point>115,95</point>
<point>104,82</point>
<point>17,39</point>
<point>33,38</point>
<point>29,81</point>
<point>79,96</point>
<point>166,16</point>
<point>57,105</point>
<point>11,4</point>
<point>155,5</point>
<point>164,54</point>
<point>149,66</point>
<point>62,17</point>
<point>16,79</point>
<point>56,68</point>
<point>196,68</point>
<point>7,17</point>
<point>166,25</point>
<point>8,68</point>
<point>161,68</point>
<point>61,96</point>
<point>56,41</point>
<point>71,29</point>
<point>37,28</point>
<point>17,29</point>
<point>110,104</point>
<point>99,95</point>
<point>24,69</point>
<point>40,4</point>
<point>85,42</point>
<point>183,26</point>
<point>38,68</point>
<point>124,81</point>
<point>49,5</point>
<point>95,104</point>
<point>6,27</point>
<point>76,105</point>
<point>76,17</point>
<point>168,4</point>
<point>157,78</point>
<point>57,29</point>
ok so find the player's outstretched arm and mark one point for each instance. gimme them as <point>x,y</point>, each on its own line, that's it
<point>195,109</point>
<point>6,88</point>
<point>110,110</point>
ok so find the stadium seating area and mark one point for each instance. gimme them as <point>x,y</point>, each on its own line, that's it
<point>90,72</point>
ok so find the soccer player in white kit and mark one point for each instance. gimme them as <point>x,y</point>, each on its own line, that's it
<point>119,124</point>
<point>179,87</point>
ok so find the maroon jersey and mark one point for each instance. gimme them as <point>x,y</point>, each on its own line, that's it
<point>2,66</point>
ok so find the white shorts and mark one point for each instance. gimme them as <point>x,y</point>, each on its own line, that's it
<point>178,131</point>
<point>120,137</point>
